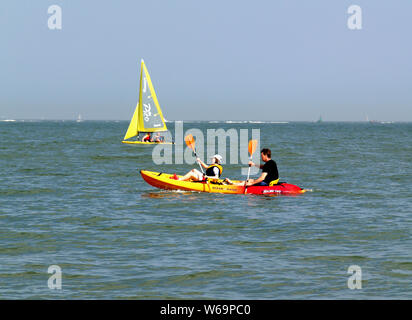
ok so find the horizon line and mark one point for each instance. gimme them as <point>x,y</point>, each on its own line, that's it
<point>4,119</point>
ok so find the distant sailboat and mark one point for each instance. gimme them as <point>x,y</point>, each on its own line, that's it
<point>147,116</point>
<point>79,118</point>
<point>320,120</point>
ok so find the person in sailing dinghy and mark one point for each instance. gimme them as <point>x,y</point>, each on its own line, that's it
<point>147,137</point>
<point>269,176</point>
<point>213,171</point>
<point>158,138</point>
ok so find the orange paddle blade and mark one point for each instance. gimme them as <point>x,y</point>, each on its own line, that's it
<point>190,141</point>
<point>252,146</point>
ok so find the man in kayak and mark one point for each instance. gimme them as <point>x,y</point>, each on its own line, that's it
<point>213,171</point>
<point>269,176</point>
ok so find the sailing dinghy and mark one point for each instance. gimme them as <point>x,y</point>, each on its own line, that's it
<point>147,116</point>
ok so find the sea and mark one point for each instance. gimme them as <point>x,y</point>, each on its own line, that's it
<point>77,221</point>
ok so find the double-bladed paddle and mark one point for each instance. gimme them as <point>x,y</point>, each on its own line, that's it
<point>190,142</point>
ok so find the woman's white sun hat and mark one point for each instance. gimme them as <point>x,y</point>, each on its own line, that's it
<point>218,157</point>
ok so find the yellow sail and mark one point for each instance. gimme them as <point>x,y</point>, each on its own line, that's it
<point>148,116</point>
<point>132,130</point>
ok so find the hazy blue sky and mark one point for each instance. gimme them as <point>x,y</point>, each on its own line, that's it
<point>257,60</point>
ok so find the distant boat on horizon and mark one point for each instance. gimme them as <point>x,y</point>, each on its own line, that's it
<point>377,121</point>
<point>79,118</point>
<point>319,120</point>
<point>370,121</point>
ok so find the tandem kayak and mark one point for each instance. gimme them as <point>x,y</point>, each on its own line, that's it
<point>164,181</point>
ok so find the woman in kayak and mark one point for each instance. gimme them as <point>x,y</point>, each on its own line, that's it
<point>269,176</point>
<point>213,171</point>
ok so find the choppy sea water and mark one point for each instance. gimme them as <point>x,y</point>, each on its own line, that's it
<point>71,195</point>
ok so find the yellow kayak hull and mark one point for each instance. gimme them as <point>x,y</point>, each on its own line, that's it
<point>165,181</point>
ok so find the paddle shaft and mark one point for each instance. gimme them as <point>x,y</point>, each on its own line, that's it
<point>248,173</point>
<point>190,141</point>
<point>251,148</point>
<point>201,168</point>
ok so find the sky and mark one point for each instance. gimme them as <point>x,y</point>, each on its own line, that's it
<point>286,60</point>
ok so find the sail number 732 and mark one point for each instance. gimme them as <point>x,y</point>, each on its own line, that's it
<point>146,111</point>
